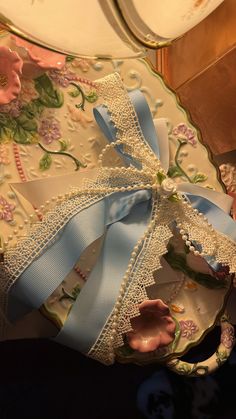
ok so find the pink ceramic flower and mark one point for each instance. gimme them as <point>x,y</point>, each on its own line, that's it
<point>82,64</point>
<point>153,328</point>
<point>188,328</point>
<point>227,337</point>
<point>6,210</point>
<point>10,70</point>
<point>182,131</point>
<point>28,91</point>
<point>36,58</point>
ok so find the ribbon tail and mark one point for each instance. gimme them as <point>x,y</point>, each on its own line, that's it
<point>98,296</point>
<point>220,199</point>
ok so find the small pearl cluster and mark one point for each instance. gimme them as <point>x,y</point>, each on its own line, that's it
<point>81,273</point>
<point>106,148</point>
<point>88,82</point>
<point>126,278</point>
<point>116,310</point>
<point>18,163</point>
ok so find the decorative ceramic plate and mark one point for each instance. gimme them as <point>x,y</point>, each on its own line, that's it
<point>49,130</point>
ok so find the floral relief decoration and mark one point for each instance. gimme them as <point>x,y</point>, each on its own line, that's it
<point>184,135</point>
<point>153,328</point>
<point>10,71</point>
<point>6,209</point>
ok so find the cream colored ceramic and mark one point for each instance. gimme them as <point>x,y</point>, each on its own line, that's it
<point>53,141</point>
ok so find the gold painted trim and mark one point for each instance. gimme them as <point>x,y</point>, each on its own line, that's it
<point>151,44</point>
<point>156,73</point>
<point>163,361</point>
<point>7,25</point>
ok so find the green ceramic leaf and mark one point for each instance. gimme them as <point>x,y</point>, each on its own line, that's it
<point>160,177</point>
<point>91,97</point>
<point>221,357</point>
<point>76,291</point>
<point>69,58</point>
<point>199,177</point>
<point>45,162</point>
<point>174,171</point>
<point>184,368</point>
<point>63,144</point>
<point>74,93</point>
<point>49,96</point>
<point>33,109</point>
<point>5,134</point>
<point>177,261</point>
<point>24,130</point>
<point>125,351</point>
<point>174,197</point>
<point>26,123</point>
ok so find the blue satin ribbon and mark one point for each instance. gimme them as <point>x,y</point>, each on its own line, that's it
<point>123,217</point>
<point>46,273</point>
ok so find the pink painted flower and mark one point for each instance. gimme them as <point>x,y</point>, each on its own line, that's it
<point>82,64</point>
<point>227,337</point>
<point>36,58</point>
<point>188,328</point>
<point>6,210</point>
<point>13,108</point>
<point>77,115</point>
<point>28,91</point>
<point>49,130</point>
<point>10,70</point>
<point>63,77</point>
<point>4,157</point>
<point>153,328</point>
<point>183,132</point>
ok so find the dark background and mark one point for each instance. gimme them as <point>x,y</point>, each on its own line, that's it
<point>41,379</point>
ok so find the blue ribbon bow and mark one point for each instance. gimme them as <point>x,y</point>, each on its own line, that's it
<point>122,217</point>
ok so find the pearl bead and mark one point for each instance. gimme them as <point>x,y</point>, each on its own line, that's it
<point>191,248</point>
<point>196,253</point>
<point>184,237</point>
<point>188,243</point>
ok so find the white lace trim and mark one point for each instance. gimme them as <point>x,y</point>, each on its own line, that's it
<point>145,258</point>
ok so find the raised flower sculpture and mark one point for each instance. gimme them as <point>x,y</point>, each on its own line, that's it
<point>6,210</point>
<point>10,70</point>
<point>37,60</point>
<point>153,329</point>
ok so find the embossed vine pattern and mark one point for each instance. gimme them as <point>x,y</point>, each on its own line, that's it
<point>28,119</point>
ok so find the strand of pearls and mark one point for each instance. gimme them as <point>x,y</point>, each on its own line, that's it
<point>184,234</point>
<point>133,260</point>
